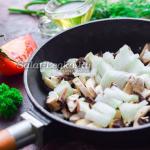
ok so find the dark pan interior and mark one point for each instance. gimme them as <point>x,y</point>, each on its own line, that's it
<point>105,35</point>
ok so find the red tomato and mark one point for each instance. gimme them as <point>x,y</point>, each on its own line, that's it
<point>18,50</point>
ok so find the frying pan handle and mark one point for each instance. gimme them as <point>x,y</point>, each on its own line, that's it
<point>7,141</point>
<point>17,136</point>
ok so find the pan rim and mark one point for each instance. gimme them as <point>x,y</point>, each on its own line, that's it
<point>60,120</point>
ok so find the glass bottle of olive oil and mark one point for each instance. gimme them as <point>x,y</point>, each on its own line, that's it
<point>76,14</point>
<point>61,16</point>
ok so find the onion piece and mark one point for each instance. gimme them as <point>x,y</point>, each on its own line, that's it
<point>98,89</point>
<point>62,86</point>
<point>120,95</point>
<point>124,58</point>
<point>104,109</point>
<point>53,101</point>
<point>83,106</point>
<point>98,64</point>
<point>117,77</point>
<point>141,113</point>
<point>129,110</point>
<point>108,58</point>
<point>102,120</point>
<point>49,69</point>
<point>51,82</point>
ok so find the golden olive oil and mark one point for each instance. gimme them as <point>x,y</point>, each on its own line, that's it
<point>77,14</point>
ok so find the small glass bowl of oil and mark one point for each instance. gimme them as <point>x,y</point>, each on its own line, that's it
<point>64,14</point>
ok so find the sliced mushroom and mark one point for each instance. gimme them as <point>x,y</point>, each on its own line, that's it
<point>76,91</point>
<point>83,79</point>
<point>90,84</point>
<point>128,88</point>
<point>93,125</point>
<point>82,122</point>
<point>77,116</point>
<point>134,84</point>
<point>72,102</point>
<point>82,88</point>
<point>138,85</point>
<point>141,116</point>
<point>63,95</point>
<point>145,54</point>
<point>53,102</point>
<point>118,115</point>
<point>117,123</point>
<point>66,113</point>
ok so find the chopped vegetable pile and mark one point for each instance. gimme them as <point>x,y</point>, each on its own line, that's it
<point>107,91</point>
<point>10,99</point>
<point>103,8</point>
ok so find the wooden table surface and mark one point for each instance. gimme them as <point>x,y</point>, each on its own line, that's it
<point>15,25</point>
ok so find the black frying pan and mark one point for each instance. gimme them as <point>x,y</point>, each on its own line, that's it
<point>103,35</point>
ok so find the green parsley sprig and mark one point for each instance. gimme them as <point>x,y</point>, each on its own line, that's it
<point>10,100</point>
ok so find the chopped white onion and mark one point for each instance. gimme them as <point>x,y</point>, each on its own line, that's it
<point>62,86</point>
<point>129,110</point>
<point>98,118</point>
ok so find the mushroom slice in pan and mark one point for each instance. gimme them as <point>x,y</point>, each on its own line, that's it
<point>83,79</point>
<point>72,102</point>
<point>134,84</point>
<point>82,88</point>
<point>128,88</point>
<point>117,123</point>
<point>138,85</point>
<point>76,91</point>
<point>66,113</point>
<point>145,54</point>
<point>82,122</point>
<point>76,117</point>
<point>93,126</point>
<point>53,102</point>
<point>90,85</point>
<point>141,116</point>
